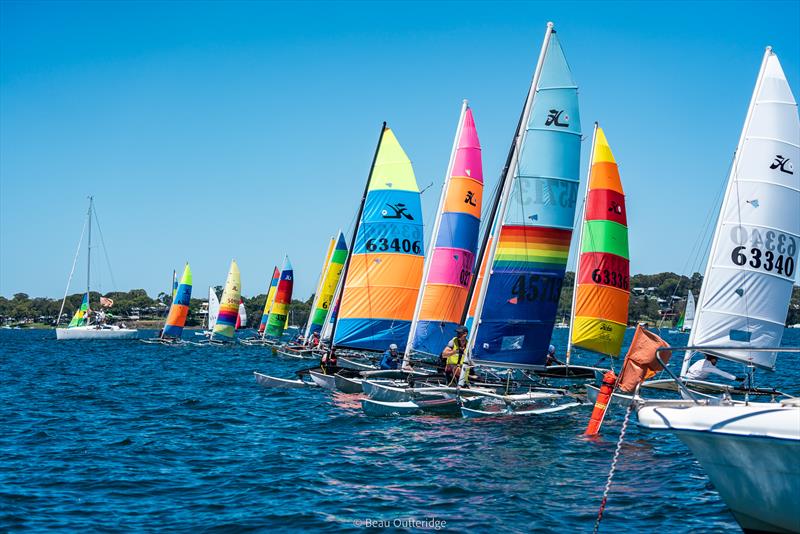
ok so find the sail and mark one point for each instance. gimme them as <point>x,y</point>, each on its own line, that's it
<point>323,272</point>
<point>179,309</point>
<point>241,320</point>
<point>454,245</point>
<point>174,283</point>
<point>385,268</point>
<point>328,286</point>
<point>279,314</point>
<point>600,306</point>
<point>81,314</point>
<point>229,305</point>
<point>213,308</point>
<point>751,268</point>
<point>523,284</point>
<point>273,286</point>
<point>687,319</point>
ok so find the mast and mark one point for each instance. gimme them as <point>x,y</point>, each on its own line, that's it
<point>731,179</point>
<point>355,231</point>
<point>437,223</point>
<point>89,247</point>
<point>501,203</point>
<point>580,246</point>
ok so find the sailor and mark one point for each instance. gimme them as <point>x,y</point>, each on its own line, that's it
<point>314,341</point>
<point>702,368</point>
<point>329,361</point>
<point>551,356</point>
<point>456,355</point>
<point>390,358</point>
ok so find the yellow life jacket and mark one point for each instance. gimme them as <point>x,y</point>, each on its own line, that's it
<point>456,358</point>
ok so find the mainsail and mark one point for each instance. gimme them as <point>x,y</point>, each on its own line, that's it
<point>273,286</point>
<point>328,288</point>
<point>179,309</point>
<point>213,308</point>
<point>520,292</point>
<point>385,267</point>
<point>229,305</point>
<point>449,265</point>
<point>279,314</point>
<point>241,320</point>
<point>602,282</point>
<point>687,317</point>
<point>322,273</point>
<point>751,267</point>
<point>81,316</point>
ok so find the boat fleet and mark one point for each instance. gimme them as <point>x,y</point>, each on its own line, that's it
<point>384,288</point>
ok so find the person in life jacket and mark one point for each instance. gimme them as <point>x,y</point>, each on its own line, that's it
<point>455,355</point>
<point>314,341</point>
<point>329,362</point>
<point>390,358</point>
<point>551,356</point>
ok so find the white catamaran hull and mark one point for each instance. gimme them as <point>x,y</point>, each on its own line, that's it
<point>750,453</point>
<point>94,332</point>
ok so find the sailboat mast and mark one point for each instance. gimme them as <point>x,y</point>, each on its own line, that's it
<point>687,357</point>
<point>436,225</point>
<point>580,246</point>
<point>506,186</point>
<point>355,231</point>
<point>89,248</point>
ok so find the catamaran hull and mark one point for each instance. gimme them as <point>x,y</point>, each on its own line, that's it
<point>385,392</point>
<point>275,382</point>
<point>90,332</point>
<point>750,453</point>
<point>348,385</point>
<point>323,381</point>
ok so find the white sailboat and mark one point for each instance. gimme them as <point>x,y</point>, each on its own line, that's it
<point>749,450</point>
<point>213,313</point>
<point>688,313</point>
<point>81,326</point>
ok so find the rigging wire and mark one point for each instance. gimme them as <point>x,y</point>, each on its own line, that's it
<point>105,249</point>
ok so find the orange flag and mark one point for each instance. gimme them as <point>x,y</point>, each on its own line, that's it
<point>640,362</point>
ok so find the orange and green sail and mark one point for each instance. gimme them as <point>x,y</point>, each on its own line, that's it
<point>600,305</point>
<point>273,286</point>
<point>328,287</point>
<point>81,314</point>
<point>179,309</point>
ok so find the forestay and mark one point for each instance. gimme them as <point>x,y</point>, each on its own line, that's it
<point>752,265</point>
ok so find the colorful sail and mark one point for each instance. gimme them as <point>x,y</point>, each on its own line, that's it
<point>752,265</point>
<point>179,309</point>
<point>448,275</point>
<point>229,305</point>
<point>279,314</point>
<point>385,268</point>
<point>600,304</point>
<point>273,286</point>
<point>328,288</point>
<point>174,283</point>
<point>521,289</point>
<point>81,314</point>
<point>322,273</point>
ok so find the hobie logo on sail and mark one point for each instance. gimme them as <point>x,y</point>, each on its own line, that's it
<point>784,164</point>
<point>399,210</point>
<point>470,199</point>
<point>554,118</point>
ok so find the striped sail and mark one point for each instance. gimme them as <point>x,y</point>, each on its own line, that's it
<point>385,269</point>
<point>527,265</point>
<point>81,314</point>
<point>752,265</point>
<point>174,283</point>
<point>225,327</point>
<point>329,283</point>
<point>600,306</point>
<point>279,314</point>
<point>322,273</point>
<point>454,245</point>
<point>179,309</point>
<point>273,286</point>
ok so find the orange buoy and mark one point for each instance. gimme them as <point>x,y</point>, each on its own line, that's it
<point>600,407</point>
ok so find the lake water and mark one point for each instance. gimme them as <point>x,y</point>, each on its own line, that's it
<point>123,436</point>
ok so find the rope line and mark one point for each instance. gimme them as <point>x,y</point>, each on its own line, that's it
<point>613,468</point>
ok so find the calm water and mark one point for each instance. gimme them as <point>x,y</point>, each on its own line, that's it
<point>134,437</point>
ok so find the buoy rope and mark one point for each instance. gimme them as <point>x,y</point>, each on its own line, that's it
<point>613,468</point>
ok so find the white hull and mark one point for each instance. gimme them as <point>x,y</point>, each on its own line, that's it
<point>750,453</point>
<point>323,381</point>
<point>274,382</point>
<point>92,332</point>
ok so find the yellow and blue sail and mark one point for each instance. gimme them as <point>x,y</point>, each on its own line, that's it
<point>179,309</point>
<point>385,270</point>
<point>527,270</point>
<point>273,286</point>
<point>81,314</point>
<point>326,291</point>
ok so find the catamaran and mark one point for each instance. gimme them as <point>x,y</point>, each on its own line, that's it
<point>81,325</point>
<point>749,450</point>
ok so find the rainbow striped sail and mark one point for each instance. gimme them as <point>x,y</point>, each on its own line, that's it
<point>328,287</point>
<point>279,314</point>
<point>529,257</point>
<point>81,314</point>
<point>385,269</point>
<point>179,309</point>
<point>454,244</point>
<point>322,273</point>
<point>600,303</point>
<point>229,305</point>
<point>273,286</point>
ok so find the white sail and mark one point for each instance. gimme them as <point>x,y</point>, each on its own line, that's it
<point>688,313</point>
<point>242,315</point>
<point>213,308</point>
<point>753,261</point>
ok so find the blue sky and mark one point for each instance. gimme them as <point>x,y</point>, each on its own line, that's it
<point>211,131</point>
